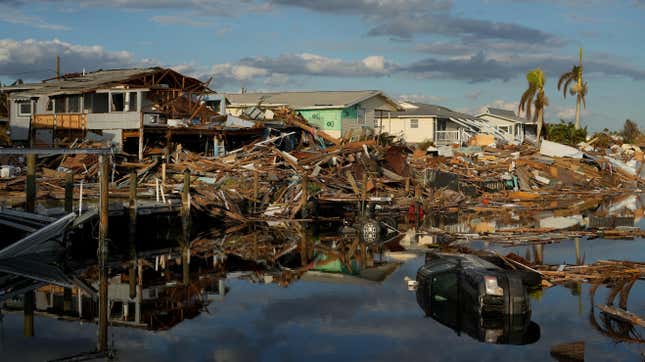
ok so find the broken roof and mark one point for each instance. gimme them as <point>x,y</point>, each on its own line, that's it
<point>414,109</point>
<point>504,113</point>
<point>306,100</point>
<point>81,83</point>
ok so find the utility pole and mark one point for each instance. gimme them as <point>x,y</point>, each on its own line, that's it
<point>57,67</point>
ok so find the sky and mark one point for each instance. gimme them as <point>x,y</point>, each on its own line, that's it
<point>464,55</point>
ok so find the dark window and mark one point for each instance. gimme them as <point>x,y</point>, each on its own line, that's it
<point>50,105</point>
<point>444,287</point>
<point>74,104</point>
<point>24,108</point>
<point>441,125</point>
<point>59,105</point>
<point>414,123</point>
<point>100,103</point>
<point>118,102</point>
<point>132,101</point>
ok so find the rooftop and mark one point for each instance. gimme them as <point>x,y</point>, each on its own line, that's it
<point>428,110</point>
<point>80,83</point>
<point>305,100</point>
<point>504,113</point>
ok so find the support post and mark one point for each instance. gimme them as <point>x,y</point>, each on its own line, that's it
<point>186,194</point>
<point>30,187</point>
<point>69,192</point>
<point>28,305</point>
<point>141,138</point>
<point>102,342</point>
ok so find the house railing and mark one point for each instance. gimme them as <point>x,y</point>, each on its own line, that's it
<point>448,137</point>
<point>75,121</point>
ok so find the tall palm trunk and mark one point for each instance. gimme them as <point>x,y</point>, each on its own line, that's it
<point>579,75</point>
<point>540,125</point>
<point>578,113</point>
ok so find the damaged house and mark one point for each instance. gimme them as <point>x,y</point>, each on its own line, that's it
<point>512,126</point>
<point>338,113</point>
<point>119,106</point>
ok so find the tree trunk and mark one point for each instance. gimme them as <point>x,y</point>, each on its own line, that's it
<point>540,124</point>
<point>578,113</point>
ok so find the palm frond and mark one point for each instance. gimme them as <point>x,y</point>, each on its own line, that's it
<point>564,77</point>
<point>566,86</point>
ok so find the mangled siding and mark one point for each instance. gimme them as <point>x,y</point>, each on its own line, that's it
<point>329,120</point>
<point>114,120</point>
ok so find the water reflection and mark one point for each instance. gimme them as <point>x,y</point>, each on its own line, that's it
<point>592,213</point>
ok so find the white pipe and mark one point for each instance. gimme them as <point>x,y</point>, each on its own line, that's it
<point>80,200</point>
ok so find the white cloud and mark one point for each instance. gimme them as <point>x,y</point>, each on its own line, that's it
<point>9,14</point>
<point>179,20</point>
<point>420,98</point>
<point>35,59</point>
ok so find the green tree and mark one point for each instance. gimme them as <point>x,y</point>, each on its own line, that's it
<point>579,89</point>
<point>566,133</point>
<point>534,96</point>
<point>630,131</point>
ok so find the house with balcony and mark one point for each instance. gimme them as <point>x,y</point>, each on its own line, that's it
<point>420,122</point>
<point>117,105</point>
<point>338,113</point>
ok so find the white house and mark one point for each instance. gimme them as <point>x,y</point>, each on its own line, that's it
<point>420,122</point>
<point>507,122</point>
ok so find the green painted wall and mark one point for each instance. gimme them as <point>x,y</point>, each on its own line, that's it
<point>329,119</point>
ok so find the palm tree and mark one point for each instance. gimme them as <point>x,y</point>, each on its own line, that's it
<point>579,89</point>
<point>535,95</point>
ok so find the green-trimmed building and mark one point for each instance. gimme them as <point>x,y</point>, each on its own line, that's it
<point>335,112</point>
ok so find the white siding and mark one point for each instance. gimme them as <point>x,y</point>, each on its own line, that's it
<point>401,127</point>
<point>113,120</point>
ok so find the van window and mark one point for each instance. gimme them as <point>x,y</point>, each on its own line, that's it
<point>444,287</point>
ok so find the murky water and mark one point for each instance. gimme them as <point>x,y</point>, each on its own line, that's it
<point>356,308</point>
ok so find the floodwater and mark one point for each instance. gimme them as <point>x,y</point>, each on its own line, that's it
<point>349,314</point>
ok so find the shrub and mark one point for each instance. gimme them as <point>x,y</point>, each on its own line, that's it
<point>566,133</point>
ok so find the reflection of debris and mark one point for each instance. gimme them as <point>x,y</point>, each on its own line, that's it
<point>569,352</point>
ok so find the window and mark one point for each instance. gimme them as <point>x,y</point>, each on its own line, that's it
<point>414,123</point>
<point>444,287</point>
<point>100,103</point>
<point>505,129</point>
<point>132,101</point>
<point>24,109</point>
<point>118,102</point>
<point>74,104</point>
<point>50,105</point>
<point>60,105</point>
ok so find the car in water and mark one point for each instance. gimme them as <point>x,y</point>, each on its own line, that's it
<point>471,294</point>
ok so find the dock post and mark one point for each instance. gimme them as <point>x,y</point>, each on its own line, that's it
<point>30,187</point>
<point>28,305</point>
<point>67,301</point>
<point>133,191</point>
<point>30,206</point>
<point>186,194</point>
<point>69,192</point>
<point>102,342</point>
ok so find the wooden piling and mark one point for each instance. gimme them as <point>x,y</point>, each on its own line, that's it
<point>69,192</point>
<point>30,206</point>
<point>28,309</point>
<point>102,342</point>
<point>30,186</point>
<point>133,191</point>
<point>185,198</point>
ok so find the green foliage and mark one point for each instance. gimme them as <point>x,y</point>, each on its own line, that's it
<point>566,133</point>
<point>630,131</point>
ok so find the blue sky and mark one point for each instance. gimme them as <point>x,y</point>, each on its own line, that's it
<point>464,55</point>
